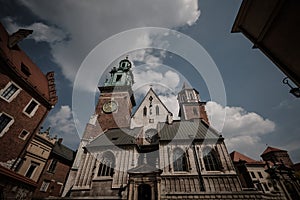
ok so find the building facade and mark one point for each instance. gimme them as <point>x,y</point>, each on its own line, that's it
<point>282,172</point>
<point>148,155</point>
<point>26,97</point>
<point>252,173</point>
<point>55,172</point>
<point>36,156</point>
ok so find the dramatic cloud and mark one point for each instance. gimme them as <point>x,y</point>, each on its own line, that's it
<point>41,32</point>
<point>62,125</point>
<point>242,130</point>
<point>99,20</point>
<point>165,83</point>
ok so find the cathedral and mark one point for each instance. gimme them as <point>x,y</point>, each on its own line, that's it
<point>146,154</point>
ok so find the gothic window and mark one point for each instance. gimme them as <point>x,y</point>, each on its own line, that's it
<point>145,111</point>
<point>179,160</point>
<point>210,160</point>
<point>107,164</point>
<point>195,111</point>
<point>157,110</point>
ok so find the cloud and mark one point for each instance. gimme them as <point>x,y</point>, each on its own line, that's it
<point>168,80</point>
<point>41,31</point>
<point>99,20</point>
<point>62,120</point>
<point>165,83</point>
<point>62,125</point>
<point>242,130</point>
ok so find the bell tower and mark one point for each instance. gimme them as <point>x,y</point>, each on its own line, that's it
<point>116,98</point>
<point>190,105</point>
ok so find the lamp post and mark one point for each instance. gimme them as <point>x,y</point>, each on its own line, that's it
<point>294,91</point>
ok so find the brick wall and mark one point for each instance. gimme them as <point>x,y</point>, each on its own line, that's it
<point>119,118</point>
<point>11,144</point>
<point>57,179</point>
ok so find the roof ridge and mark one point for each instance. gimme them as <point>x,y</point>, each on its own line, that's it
<point>271,149</point>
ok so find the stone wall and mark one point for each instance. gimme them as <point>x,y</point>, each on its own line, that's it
<point>222,195</point>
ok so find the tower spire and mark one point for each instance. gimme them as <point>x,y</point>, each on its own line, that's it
<point>190,105</point>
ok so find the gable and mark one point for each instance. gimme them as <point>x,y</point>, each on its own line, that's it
<point>150,112</point>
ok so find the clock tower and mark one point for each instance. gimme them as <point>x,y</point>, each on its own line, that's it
<point>116,98</point>
<point>190,105</point>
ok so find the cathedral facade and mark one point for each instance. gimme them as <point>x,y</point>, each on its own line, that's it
<point>148,155</point>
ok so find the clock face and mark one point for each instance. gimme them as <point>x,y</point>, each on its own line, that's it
<point>110,107</point>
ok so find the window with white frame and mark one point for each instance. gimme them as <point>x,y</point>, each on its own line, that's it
<point>31,169</point>
<point>10,91</point>
<point>23,135</point>
<point>5,122</point>
<point>31,108</point>
<point>44,186</point>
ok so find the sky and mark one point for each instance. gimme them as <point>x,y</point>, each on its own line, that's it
<point>169,42</point>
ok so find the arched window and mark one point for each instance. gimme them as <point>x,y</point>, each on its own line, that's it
<point>191,96</point>
<point>107,165</point>
<point>157,110</point>
<point>179,160</point>
<point>210,159</point>
<point>145,111</point>
<point>195,111</point>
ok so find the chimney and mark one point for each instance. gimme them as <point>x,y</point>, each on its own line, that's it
<point>170,118</point>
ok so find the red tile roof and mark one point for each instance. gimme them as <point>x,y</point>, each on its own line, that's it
<point>16,58</point>
<point>236,157</point>
<point>271,149</point>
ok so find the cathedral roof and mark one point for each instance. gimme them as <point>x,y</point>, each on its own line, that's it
<point>117,136</point>
<point>271,149</point>
<point>144,169</point>
<point>192,129</point>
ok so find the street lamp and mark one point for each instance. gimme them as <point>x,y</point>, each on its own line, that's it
<point>294,91</point>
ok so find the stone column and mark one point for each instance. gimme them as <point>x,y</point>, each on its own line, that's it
<point>82,174</point>
<point>158,187</point>
<point>135,191</point>
<point>80,169</point>
<point>93,161</point>
<point>130,190</point>
<point>87,170</point>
